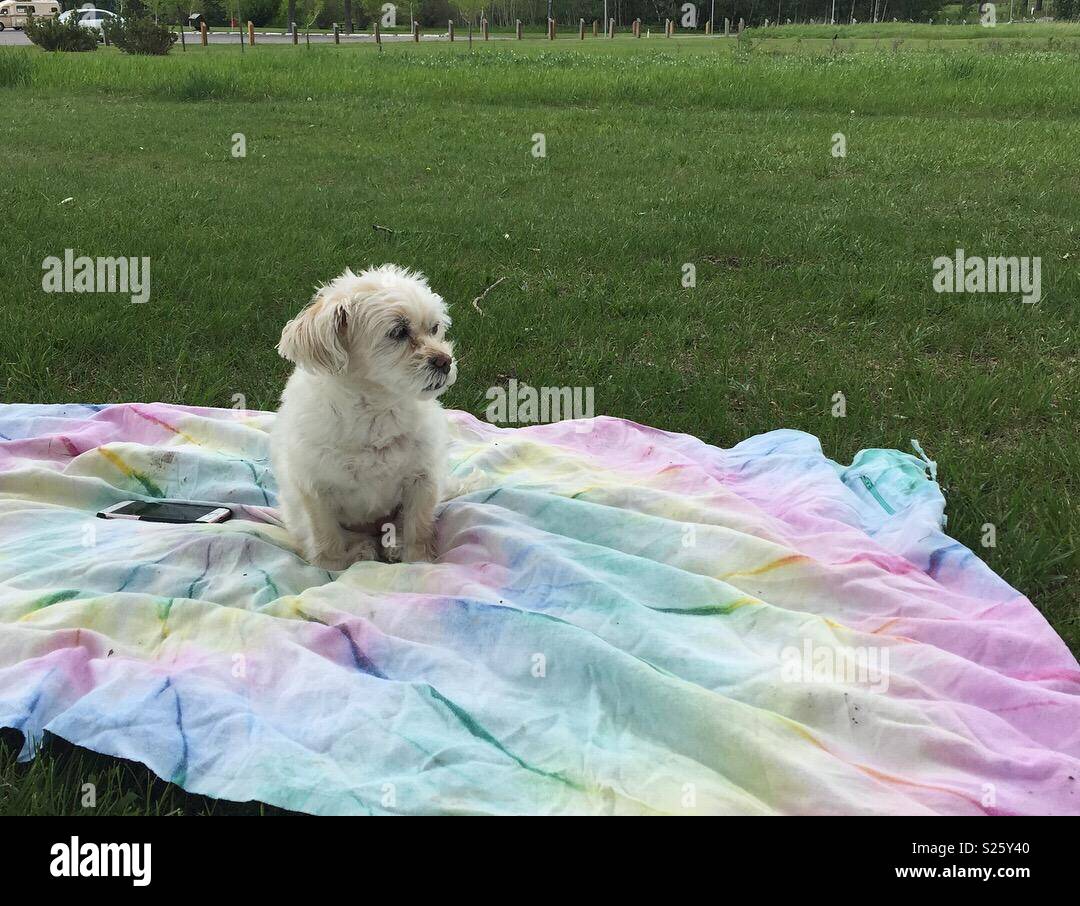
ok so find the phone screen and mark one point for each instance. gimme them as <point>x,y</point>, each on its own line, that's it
<point>165,512</point>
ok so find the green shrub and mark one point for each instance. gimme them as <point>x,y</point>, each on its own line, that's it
<point>52,34</point>
<point>259,12</point>
<point>140,35</point>
<point>213,11</point>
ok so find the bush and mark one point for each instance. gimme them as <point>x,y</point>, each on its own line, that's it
<point>435,14</point>
<point>330,11</point>
<point>140,35</point>
<point>52,34</point>
<point>213,11</point>
<point>259,12</point>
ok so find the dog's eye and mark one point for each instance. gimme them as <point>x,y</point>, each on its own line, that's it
<point>400,332</point>
<point>435,329</point>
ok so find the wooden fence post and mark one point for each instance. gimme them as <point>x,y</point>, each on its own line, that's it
<point>295,34</point>
<point>581,29</point>
<point>742,25</point>
<point>451,30</point>
<point>727,27</point>
<point>611,28</point>
<point>519,29</point>
<point>595,29</point>
<point>337,35</point>
<point>708,27</point>
<point>202,33</point>
<point>251,33</point>
<point>378,33</point>
<point>485,28</point>
<point>416,31</point>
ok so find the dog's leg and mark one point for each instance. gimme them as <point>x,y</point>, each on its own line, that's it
<point>361,547</point>
<point>316,529</point>
<point>419,497</point>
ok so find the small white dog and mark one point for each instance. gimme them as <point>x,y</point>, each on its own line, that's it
<point>360,439</point>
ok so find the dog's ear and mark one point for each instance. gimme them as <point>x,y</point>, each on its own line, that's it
<point>316,338</point>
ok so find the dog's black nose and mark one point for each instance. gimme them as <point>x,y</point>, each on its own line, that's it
<point>441,362</point>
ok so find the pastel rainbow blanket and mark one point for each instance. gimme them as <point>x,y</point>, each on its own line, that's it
<point>621,620</point>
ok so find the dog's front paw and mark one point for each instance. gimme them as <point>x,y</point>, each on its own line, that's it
<point>363,549</point>
<point>333,561</point>
<point>336,557</point>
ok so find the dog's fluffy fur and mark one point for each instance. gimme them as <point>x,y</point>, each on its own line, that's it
<point>360,438</point>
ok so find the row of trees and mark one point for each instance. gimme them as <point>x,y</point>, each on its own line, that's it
<point>503,13</point>
<point>306,13</point>
<point>754,12</point>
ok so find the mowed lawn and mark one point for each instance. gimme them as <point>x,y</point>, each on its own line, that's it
<point>813,272</point>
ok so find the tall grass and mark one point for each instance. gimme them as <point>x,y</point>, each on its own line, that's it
<point>963,82</point>
<point>16,68</point>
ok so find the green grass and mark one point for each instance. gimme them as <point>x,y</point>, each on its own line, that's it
<point>813,273</point>
<point>70,781</point>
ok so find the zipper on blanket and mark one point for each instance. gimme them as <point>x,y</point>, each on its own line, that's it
<point>869,485</point>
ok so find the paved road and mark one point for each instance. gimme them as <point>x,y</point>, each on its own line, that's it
<point>10,36</point>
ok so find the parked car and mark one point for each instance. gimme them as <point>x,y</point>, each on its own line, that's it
<point>89,18</point>
<point>14,13</point>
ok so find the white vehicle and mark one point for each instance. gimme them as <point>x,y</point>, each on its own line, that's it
<point>88,18</point>
<point>14,13</point>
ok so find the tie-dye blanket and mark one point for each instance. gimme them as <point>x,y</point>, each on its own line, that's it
<point>621,620</point>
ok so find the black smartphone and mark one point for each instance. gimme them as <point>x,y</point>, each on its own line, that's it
<point>176,511</point>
